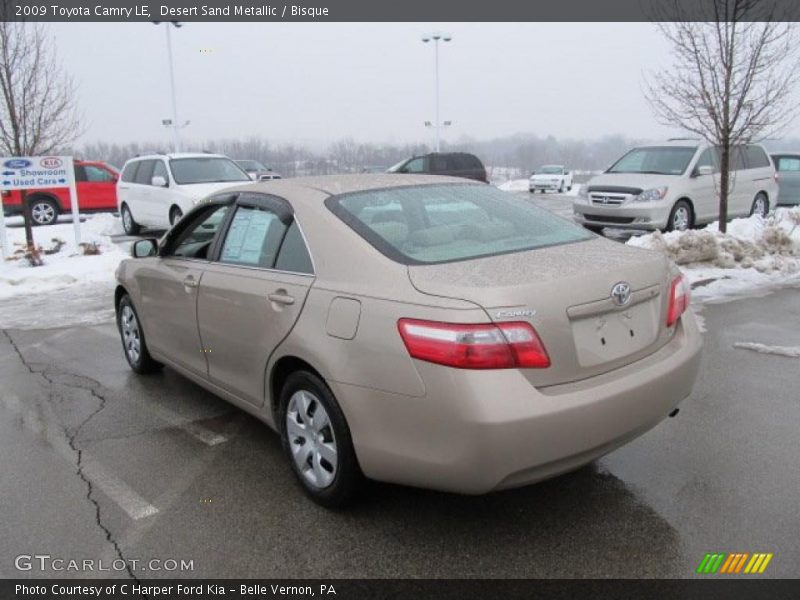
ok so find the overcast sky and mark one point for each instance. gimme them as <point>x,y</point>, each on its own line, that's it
<point>316,82</point>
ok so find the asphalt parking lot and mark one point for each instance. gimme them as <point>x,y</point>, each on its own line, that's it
<point>100,463</point>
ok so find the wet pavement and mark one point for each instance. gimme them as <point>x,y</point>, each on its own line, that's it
<point>99,463</point>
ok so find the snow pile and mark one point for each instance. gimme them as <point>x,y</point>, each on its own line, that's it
<point>789,351</point>
<point>754,255</point>
<point>67,268</point>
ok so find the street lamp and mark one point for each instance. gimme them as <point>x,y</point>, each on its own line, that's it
<point>437,37</point>
<point>173,123</point>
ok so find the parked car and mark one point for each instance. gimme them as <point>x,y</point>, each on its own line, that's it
<point>156,190</point>
<point>553,178</point>
<point>419,330</point>
<point>257,171</point>
<point>675,186</point>
<point>788,167</point>
<point>455,164</point>
<point>95,183</point>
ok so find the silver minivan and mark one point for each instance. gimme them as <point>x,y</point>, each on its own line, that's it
<point>675,186</point>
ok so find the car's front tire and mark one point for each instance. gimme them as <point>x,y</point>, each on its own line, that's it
<point>130,226</point>
<point>680,217</point>
<point>317,441</point>
<point>760,205</point>
<point>132,336</point>
<point>44,211</point>
<point>175,215</point>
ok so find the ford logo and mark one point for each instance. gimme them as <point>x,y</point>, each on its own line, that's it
<point>51,162</point>
<point>17,163</point>
<point>621,293</point>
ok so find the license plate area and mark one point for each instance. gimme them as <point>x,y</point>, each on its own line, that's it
<point>606,337</point>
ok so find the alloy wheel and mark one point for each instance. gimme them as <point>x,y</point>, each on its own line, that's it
<point>680,220</point>
<point>43,213</point>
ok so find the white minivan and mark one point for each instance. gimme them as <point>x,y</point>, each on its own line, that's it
<point>156,190</point>
<point>675,186</point>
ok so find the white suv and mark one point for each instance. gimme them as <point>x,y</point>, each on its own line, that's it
<point>158,189</point>
<point>555,178</point>
<point>675,186</point>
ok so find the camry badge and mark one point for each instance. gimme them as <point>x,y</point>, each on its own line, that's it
<point>511,314</point>
<point>621,293</point>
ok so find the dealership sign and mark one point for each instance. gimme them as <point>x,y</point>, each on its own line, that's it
<point>36,172</point>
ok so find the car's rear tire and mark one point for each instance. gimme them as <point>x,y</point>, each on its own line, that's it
<point>44,211</point>
<point>175,215</point>
<point>760,205</point>
<point>133,343</point>
<point>317,441</point>
<point>680,217</point>
<point>130,226</point>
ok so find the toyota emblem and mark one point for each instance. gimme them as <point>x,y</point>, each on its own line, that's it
<point>621,293</point>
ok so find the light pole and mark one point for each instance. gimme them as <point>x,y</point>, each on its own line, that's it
<point>173,123</point>
<point>436,37</point>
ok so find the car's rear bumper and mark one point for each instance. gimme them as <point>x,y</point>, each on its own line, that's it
<point>468,434</point>
<point>653,215</point>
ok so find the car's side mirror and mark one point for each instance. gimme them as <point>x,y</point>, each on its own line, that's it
<point>158,181</point>
<point>704,170</point>
<point>143,248</point>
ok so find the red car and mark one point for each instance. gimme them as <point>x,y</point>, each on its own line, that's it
<point>97,192</point>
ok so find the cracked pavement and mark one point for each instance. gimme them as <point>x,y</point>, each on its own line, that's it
<point>102,464</point>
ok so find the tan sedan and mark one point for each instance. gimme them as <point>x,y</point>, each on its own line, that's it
<point>419,330</point>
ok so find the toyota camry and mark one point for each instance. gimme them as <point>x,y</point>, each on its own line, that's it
<point>420,330</point>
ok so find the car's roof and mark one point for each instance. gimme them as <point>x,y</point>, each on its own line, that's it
<point>333,185</point>
<point>785,153</point>
<point>178,155</point>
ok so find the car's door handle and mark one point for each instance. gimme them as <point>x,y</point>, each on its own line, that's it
<point>190,282</point>
<point>281,298</point>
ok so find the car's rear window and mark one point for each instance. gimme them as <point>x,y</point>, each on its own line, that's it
<point>431,224</point>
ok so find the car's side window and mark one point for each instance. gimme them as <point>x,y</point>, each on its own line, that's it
<point>415,166</point>
<point>756,157</point>
<point>145,172</point>
<point>129,172</point>
<point>196,240</point>
<point>293,255</point>
<point>97,175</point>
<point>160,169</point>
<point>788,163</point>
<point>253,238</point>
<point>709,158</point>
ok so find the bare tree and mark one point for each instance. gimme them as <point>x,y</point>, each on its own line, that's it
<point>734,72</point>
<point>38,114</point>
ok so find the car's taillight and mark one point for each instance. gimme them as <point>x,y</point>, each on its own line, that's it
<point>679,298</point>
<point>6,193</point>
<point>485,346</point>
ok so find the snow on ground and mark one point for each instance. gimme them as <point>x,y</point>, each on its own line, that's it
<point>790,351</point>
<point>69,288</point>
<point>754,257</point>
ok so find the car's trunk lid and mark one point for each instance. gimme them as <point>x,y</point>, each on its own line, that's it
<point>565,292</point>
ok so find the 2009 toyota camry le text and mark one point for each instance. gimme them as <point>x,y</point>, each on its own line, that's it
<point>420,330</point>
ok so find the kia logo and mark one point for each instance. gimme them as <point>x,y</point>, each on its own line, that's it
<point>17,163</point>
<point>51,162</point>
<point>621,293</point>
